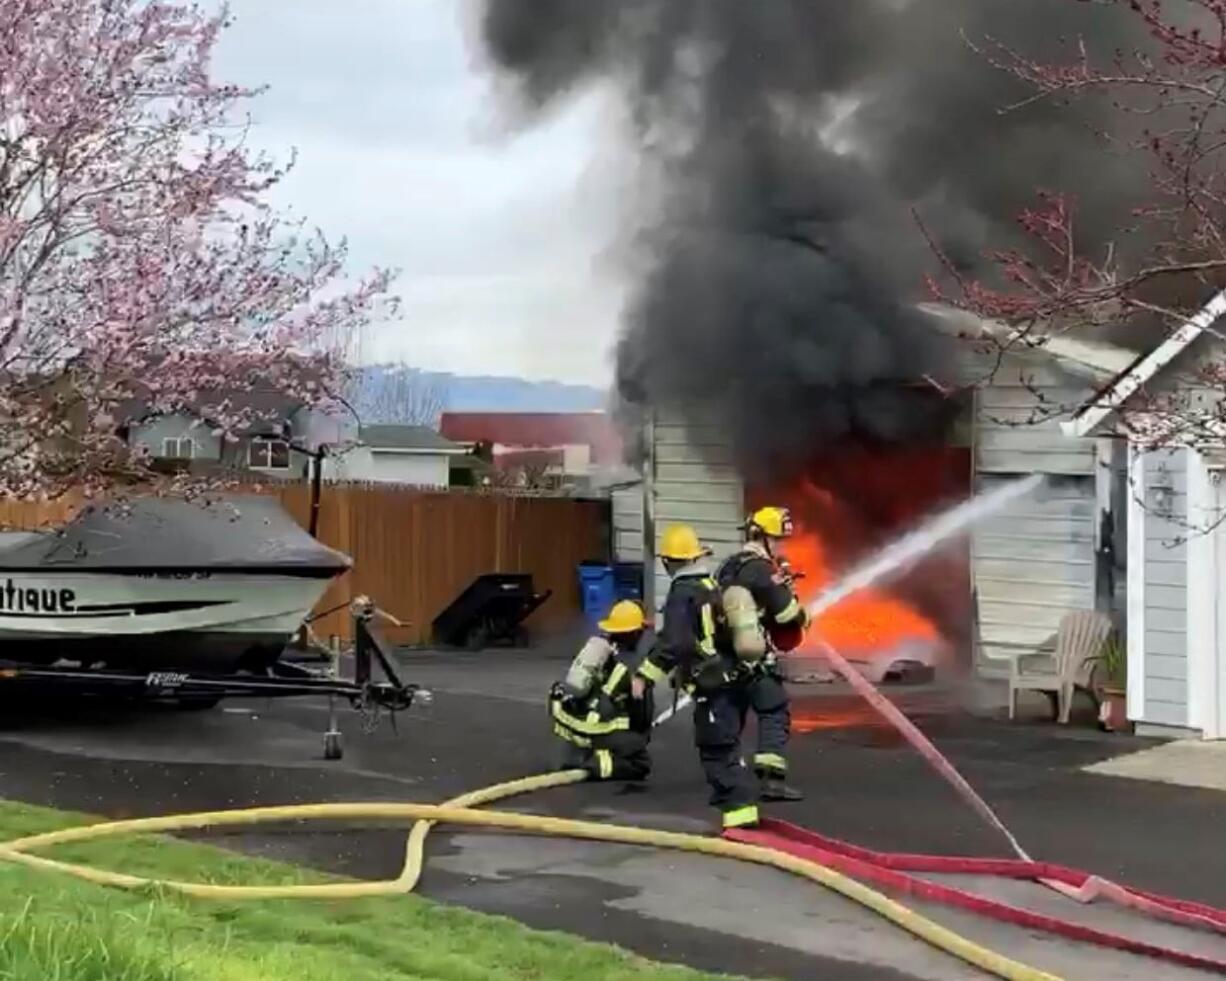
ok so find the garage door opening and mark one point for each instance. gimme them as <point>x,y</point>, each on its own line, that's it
<point>851,500</point>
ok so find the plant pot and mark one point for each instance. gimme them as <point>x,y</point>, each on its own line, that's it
<point>1113,710</point>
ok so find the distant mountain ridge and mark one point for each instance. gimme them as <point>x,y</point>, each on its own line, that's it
<point>377,390</point>
<point>488,393</point>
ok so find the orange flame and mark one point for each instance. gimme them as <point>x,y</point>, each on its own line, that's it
<point>858,496</point>
<point>869,620</point>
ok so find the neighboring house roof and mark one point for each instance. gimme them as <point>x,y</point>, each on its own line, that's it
<point>1136,375</point>
<point>266,409</point>
<point>537,430</point>
<point>407,439</point>
<point>251,397</point>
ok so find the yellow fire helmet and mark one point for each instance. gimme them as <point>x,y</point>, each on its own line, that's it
<point>626,617</point>
<point>772,522</point>
<point>680,543</point>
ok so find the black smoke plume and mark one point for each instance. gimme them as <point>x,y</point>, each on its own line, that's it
<point>783,146</point>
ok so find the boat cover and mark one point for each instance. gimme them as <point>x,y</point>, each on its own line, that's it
<point>243,532</point>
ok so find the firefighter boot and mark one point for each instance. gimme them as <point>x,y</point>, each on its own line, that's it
<point>775,788</point>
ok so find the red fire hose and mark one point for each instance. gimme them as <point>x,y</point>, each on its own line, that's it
<point>888,870</point>
<point>893,870</point>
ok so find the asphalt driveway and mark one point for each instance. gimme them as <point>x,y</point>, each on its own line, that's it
<point>486,724</point>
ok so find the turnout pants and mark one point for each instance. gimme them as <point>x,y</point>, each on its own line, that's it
<point>617,756</point>
<point>719,721</point>
<point>769,701</point>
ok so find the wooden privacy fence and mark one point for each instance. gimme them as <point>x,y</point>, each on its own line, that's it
<point>17,515</point>
<point>414,551</point>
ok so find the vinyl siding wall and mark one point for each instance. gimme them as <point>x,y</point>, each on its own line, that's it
<point>1034,561</point>
<point>627,516</point>
<point>362,463</point>
<point>1166,579</point>
<point>695,483</point>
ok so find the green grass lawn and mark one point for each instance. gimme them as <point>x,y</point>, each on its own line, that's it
<point>54,928</point>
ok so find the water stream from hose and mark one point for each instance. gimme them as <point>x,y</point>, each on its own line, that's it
<point>902,553</point>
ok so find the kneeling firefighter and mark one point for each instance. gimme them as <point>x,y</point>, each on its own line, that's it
<point>695,650</point>
<point>606,731</point>
<point>765,616</point>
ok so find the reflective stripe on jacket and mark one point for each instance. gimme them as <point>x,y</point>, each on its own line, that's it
<point>694,644</point>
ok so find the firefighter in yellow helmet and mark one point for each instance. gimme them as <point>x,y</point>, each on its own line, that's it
<point>695,651</point>
<point>771,606</point>
<point>604,729</point>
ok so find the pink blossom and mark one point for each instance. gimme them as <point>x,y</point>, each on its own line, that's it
<point>138,256</point>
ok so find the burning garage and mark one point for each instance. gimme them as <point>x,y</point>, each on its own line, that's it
<point>972,600</point>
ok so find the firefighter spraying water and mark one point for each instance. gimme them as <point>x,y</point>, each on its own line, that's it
<point>716,645</point>
<point>764,617</point>
<point>902,553</point>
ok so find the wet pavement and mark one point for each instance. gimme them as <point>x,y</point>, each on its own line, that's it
<point>487,724</point>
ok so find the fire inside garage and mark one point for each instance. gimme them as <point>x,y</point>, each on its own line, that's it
<point>999,588</point>
<point>852,500</point>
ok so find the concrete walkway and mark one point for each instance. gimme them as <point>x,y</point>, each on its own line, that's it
<point>1184,762</point>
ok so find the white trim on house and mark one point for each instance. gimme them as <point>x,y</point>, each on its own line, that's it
<point>1202,599</point>
<point>178,446</point>
<point>269,441</point>
<point>1135,590</point>
<point>1108,403</point>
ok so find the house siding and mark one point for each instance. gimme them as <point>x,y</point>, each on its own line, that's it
<point>1035,561</point>
<point>627,516</point>
<point>412,469</point>
<point>694,482</point>
<point>1189,382</point>
<point>1018,419</point>
<point>1166,578</point>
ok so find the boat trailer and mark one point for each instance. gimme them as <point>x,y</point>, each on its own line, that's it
<point>283,679</point>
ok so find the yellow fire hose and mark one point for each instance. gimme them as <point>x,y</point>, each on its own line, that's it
<point>461,810</point>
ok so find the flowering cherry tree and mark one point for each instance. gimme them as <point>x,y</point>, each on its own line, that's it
<point>138,257</point>
<point>1168,258</point>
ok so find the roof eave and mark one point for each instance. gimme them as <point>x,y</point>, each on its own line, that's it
<point>418,450</point>
<point>1092,417</point>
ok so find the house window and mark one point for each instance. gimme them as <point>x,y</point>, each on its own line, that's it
<point>268,454</point>
<point>178,448</point>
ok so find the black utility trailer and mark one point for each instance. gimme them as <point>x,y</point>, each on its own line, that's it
<point>490,611</point>
<point>284,679</point>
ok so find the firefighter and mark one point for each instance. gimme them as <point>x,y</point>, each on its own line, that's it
<point>606,732</point>
<point>694,651</point>
<point>770,606</point>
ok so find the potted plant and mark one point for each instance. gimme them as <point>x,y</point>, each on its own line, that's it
<point>1112,686</point>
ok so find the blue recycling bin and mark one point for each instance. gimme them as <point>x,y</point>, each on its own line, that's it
<point>597,592</point>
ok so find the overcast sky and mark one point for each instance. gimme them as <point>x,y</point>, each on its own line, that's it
<point>502,241</point>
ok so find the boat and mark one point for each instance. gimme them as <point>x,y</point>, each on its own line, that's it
<point>217,585</point>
